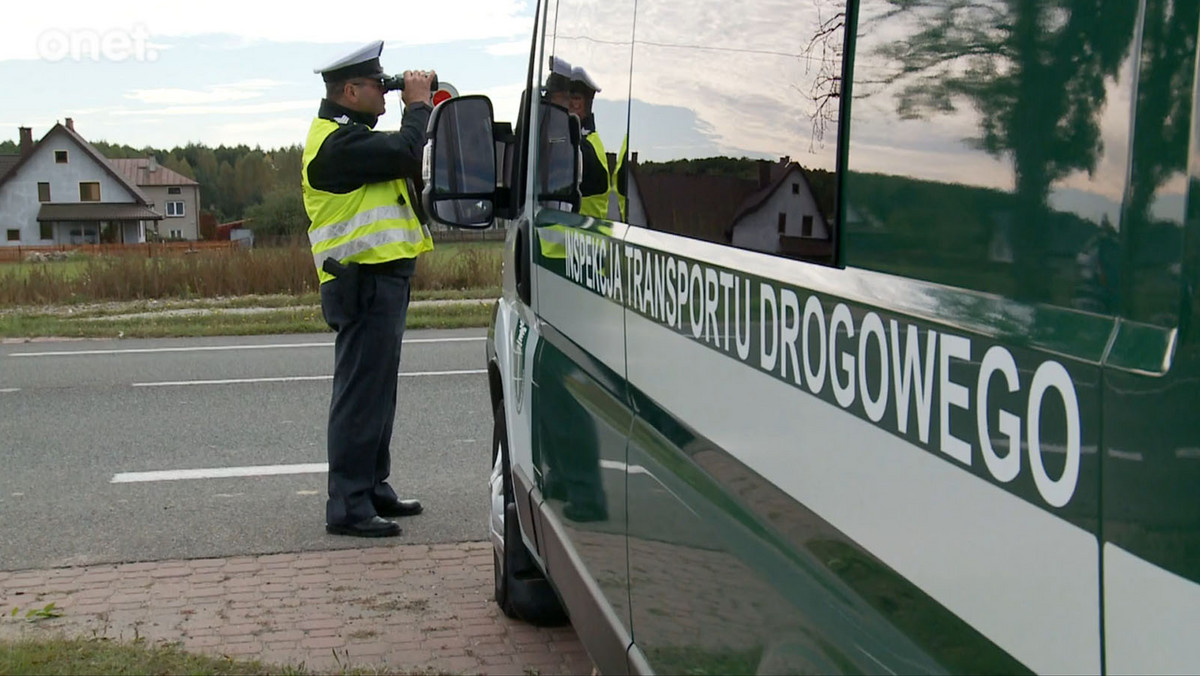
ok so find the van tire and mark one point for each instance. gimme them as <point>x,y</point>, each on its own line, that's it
<point>521,590</point>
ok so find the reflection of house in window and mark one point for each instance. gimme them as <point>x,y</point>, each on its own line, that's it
<point>784,191</point>
<point>746,203</point>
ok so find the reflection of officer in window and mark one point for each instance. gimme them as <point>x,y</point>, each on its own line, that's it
<point>569,441</point>
<point>557,169</point>
<point>595,184</point>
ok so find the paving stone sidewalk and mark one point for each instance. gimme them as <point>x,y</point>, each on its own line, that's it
<point>403,607</point>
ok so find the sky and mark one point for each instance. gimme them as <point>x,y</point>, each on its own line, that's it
<point>219,72</point>
<point>151,73</point>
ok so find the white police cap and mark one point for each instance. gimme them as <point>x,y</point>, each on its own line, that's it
<point>559,79</point>
<point>579,76</point>
<point>363,62</point>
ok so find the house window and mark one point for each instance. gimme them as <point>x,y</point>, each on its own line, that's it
<point>174,209</point>
<point>60,157</point>
<point>14,235</point>
<point>795,188</point>
<point>806,226</point>
<point>174,191</point>
<point>46,230</point>
<point>43,192</point>
<point>782,222</point>
<point>89,191</point>
<point>176,234</point>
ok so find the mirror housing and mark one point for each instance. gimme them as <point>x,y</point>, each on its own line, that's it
<point>466,152</point>
<point>561,167</point>
<point>459,164</point>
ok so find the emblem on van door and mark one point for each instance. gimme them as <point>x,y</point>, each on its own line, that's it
<point>520,338</point>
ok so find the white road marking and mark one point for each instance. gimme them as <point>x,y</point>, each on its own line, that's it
<point>289,379</point>
<point>223,348</point>
<point>219,473</point>
<point>232,381</point>
<point>9,390</point>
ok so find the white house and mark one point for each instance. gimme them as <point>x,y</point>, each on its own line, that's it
<point>172,194</point>
<point>781,216</point>
<point>61,190</point>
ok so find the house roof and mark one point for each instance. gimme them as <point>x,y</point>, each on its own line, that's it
<point>97,211</point>
<point>779,174</point>
<point>695,205</point>
<point>88,149</point>
<point>137,170</point>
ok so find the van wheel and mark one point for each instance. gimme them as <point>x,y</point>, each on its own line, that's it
<point>521,590</point>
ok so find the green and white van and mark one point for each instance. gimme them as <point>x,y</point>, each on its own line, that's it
<point>885,357</point>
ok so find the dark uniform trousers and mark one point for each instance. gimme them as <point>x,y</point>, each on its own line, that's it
<point>370,326</point>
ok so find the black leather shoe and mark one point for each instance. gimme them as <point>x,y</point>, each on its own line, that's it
<point>399,508</point>
<point>374,527</point>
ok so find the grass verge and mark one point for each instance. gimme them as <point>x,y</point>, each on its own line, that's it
<point>225,323</point>
<point>101,656</point>
<point>85,656</point>
<point>227,317</point>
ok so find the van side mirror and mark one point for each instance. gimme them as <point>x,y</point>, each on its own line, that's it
<point>459,164</point>
<point>560,166</point>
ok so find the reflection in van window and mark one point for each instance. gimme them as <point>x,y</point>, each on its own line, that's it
<point>988,148</point>
<point>587,72</point>
<point>733,124</point>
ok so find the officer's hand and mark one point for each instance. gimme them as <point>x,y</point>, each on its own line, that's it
<point>417,87</point>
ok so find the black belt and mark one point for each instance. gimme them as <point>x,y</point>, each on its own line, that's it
<point>401,267</point>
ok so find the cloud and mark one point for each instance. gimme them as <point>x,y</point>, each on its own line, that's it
<point>237,91</point>
<point>265,133</point>
<point>514,48</point>
<point>30,32</point>
<point>267,108</point>
<point>506,100</point>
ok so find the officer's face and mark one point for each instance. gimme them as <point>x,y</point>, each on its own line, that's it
<point>366,96</point>
<point>578,105</point>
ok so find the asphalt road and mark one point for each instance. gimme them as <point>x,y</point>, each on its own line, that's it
<point>75,415</point>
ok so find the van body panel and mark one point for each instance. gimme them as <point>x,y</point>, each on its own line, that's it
<point>1152,378</point>
<point>899,382</point>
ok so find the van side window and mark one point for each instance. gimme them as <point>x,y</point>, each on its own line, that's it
<point>586,70</point>
<point>733,132</point>
<point>988,148</point>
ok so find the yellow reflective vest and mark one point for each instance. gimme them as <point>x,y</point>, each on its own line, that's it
<point>596,205</point>
<point>622,198</point>
<point>372,224</point>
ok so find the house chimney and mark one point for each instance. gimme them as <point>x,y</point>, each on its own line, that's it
<point>26,140</point>
<point>152,165</point>
<point>70,124</point>
<point>764,173</point>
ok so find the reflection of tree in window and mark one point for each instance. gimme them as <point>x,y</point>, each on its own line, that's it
<point>1033,70</point>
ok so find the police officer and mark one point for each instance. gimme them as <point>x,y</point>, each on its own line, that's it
<point>596,180</point>
<point>365,237</point>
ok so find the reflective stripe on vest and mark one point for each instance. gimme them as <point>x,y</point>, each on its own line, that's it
<point>596,205</point>
<point>552,240</point>
<point>372,224</point>
<point>622,200</point>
